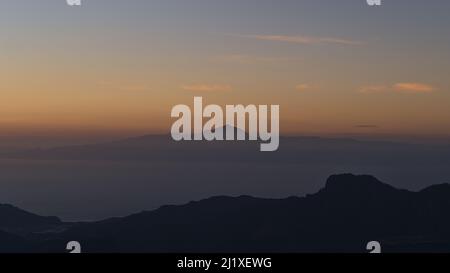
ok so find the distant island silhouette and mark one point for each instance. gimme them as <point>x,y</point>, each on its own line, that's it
<point>347,213</point>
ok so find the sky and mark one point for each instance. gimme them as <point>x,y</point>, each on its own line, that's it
<point>117,68</point>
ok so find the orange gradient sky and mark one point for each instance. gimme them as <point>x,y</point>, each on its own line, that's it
<point>118,67</point>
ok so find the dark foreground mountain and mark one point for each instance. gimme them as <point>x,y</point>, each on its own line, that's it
<point>16,225</point>
<point>342,217</point>
<point>15,220</point>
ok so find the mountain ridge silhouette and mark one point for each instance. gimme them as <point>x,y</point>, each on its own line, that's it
<point>155,147</point>
<point>343,216</point>
<point>21,221</point>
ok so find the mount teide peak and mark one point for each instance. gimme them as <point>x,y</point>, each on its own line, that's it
<point>236,131</point>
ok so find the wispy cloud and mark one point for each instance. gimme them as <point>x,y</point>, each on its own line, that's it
<point>206,87</point>
<point>123,87</point>
<point>366,126</point>
<point>307,40</point>
<point>303,87</point>
<point>249,59</point>
<point>411,88</point>
<point>370,89</point>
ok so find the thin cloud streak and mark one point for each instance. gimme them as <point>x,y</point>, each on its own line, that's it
<point>306,40</point>
<point>371,89</point>
<point>249,59</point>
<point>413,88</point>
<point>303,87</point>
<point>206,87</point>
<point>407,88</point>
<point>123,87</point>
<point>367,126</point>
